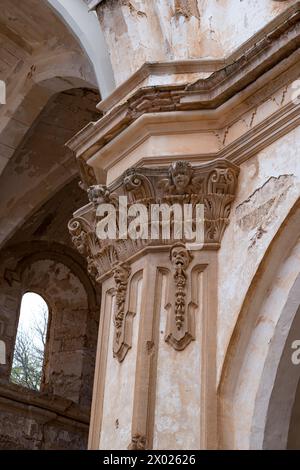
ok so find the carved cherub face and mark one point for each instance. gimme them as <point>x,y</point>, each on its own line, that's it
<point>98,193</point>
<point>121,274</point>
<point>181,175</point>
<point>180,256</point>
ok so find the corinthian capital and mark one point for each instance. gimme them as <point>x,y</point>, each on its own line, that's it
<point>211,185</point>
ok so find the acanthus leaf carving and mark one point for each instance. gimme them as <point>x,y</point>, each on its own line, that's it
<point>137,186</point>
<point>212,185</point>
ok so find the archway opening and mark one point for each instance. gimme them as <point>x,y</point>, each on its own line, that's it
<point>30,345</point>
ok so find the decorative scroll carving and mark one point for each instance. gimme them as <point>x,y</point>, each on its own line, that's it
<point>137,186</point>
<point>121,276</point>
<point>212,185</point>
<point>85,240</point>
<point>221,185</point>
<point>138,442</point>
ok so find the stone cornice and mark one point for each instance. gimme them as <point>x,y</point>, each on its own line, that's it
<point>263,62</point>
<point>193,65</point>
<point>237,151</point>
<point>176,67</point>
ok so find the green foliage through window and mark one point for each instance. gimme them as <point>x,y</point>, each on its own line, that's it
<point>29,352</point>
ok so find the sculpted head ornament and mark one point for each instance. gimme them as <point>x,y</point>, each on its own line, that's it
<point>121,273</point>
<point>180,256</point>
<point>180,173</point>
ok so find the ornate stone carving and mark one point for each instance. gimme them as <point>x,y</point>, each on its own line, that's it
<point>85,241</point>
<point>100,193</point>
<point>180,325</point>
<point>121,276</point>
<point>221,185</point>
<point>138,442</point>
<point>212,185</point>
<point>180,259</point>
<point>137,186</point>
<point>181,180</point>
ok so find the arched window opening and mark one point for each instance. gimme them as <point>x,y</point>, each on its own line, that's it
<point>29,352</point>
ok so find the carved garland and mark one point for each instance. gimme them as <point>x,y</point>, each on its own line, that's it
<point>180,258</point>
<point>121,276</point>
<point>180,324</point>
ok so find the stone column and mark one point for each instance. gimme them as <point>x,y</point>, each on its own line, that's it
<point>172,132</point>
<point>155,380</point>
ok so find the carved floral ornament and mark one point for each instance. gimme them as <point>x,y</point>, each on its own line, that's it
<point>180,323</point>
<point>212,185</point>
<point>180,259</point>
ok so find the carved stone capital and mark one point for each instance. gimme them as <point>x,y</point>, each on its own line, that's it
<point>212,185</point>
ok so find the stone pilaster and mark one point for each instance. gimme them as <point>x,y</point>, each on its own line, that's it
<point>172,133</point>
<point>158,317</point>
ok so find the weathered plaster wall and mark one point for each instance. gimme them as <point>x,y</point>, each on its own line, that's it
<point>260,380</point>
<point>269,185</point>
<point>178,387</point>
<point>179,29</point>
<point>119,384</point>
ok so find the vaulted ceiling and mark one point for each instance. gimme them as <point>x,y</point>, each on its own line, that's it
<point>51,94</point>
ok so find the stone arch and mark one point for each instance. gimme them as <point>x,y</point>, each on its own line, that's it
<point>70,58</point>
<point>52,271</point>
<point>86,28</point>
<point>41,165</point>
<point>270,431</point>
<point>38,250</point>
<point>59,74</point>
<point>252,377</point>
